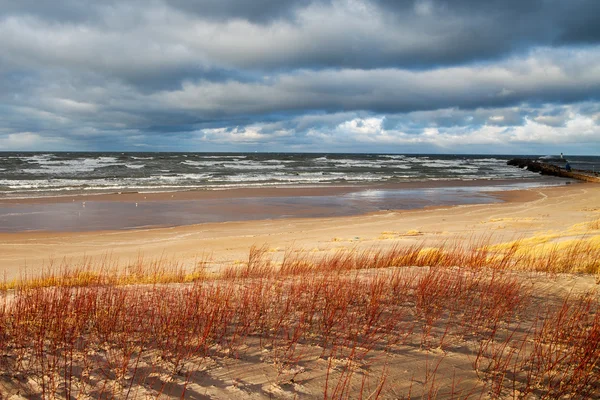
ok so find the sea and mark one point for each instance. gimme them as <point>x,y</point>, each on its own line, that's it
<point>45,174</point>
<point>371,183</point>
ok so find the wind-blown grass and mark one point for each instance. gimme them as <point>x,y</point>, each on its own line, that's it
<point>154,329</point>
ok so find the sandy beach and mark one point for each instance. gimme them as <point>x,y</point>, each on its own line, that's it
<point>494,300</point>
<point>300,200</point>
<point>522,213</point>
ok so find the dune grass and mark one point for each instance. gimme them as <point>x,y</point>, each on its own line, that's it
<point>154,329</point>
<point>542,253</point>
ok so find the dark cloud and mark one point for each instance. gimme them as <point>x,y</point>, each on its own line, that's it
<point>472,30</point>
<point>64,11</point>
<point>90,11</point>
<point>302,33</point>
<point>282,72</point>
<point>542,77</point>
<point>259,11</point>
<point>578,22</point>
<point>531,22</point>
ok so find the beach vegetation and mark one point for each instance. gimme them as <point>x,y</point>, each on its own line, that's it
<point>456,321</point>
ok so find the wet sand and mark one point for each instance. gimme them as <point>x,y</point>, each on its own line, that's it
<point>280,191</point>
<point>522,214</point>
<point>146,210</point>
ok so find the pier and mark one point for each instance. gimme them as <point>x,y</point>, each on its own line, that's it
<point>554,170</point>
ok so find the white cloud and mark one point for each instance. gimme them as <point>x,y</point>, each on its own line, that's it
<point>28,141</point>
<point>577,129</point>
<point>362,127</point>
<point>69,105</point>
<point>370,131</point>
<point>242,135</point>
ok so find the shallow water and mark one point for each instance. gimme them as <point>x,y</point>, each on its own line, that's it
<point>116,215</point>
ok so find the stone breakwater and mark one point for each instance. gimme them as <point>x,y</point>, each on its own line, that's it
<point>554,170</point>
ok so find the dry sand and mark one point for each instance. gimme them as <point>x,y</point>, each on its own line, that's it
<point>523,214</point>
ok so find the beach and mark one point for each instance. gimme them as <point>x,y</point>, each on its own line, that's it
<point>299,200</point>
<point>512,214</point>
<point>443,301</point>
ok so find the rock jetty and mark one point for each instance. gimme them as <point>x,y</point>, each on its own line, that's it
<point>554,170</point>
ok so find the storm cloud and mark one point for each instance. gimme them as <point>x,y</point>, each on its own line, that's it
<point>351,75</point>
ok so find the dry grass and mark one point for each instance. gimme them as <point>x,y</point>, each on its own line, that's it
<point>335,321</point>
<point>106,271</point>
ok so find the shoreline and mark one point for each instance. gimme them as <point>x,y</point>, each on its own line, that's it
<point>273,191</point>
<point>523,214</point>
<point>134,211</point>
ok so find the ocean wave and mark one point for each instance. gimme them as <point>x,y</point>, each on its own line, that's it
<point>227,156</point>
<point>182,177</point>
<point>448,163</point>
<point>142,158</point>
<point>234,165</point>
<point>200,163</point>
<point>56,167</point>
<point>52,173</point>
<point>253,165</point>
<point>357,163</point>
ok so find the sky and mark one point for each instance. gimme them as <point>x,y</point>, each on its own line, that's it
<point>387,76</point>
